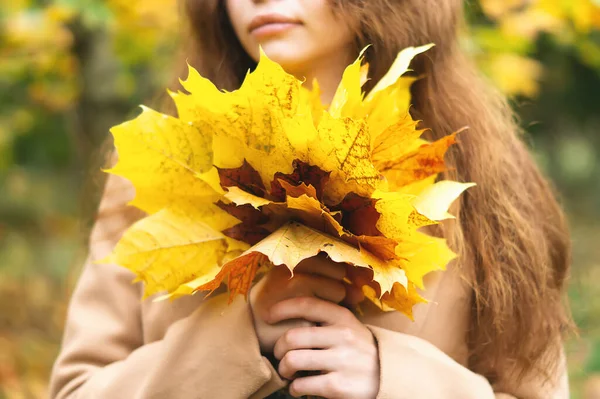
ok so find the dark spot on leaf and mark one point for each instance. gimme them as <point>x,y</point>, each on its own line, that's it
<point>303,173</point>
<point>248,234</point>
<point>245,177</point>
<point>359,215</point>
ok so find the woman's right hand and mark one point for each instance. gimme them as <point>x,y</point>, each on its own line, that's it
<point>317,276</point>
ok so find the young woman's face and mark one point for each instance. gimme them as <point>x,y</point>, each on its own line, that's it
<point>298,34</point>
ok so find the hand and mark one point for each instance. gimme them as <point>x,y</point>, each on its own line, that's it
<point>314,277</point>
<point>342,349</point>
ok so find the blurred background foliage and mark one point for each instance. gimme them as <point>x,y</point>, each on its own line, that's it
<point>70,69</point>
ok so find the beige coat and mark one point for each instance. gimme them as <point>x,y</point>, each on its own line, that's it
<point>118,346</point>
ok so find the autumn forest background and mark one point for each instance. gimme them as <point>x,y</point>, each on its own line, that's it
<point>71,69</point>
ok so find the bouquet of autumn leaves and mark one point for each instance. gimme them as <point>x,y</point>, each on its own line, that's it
<point>266,175</point>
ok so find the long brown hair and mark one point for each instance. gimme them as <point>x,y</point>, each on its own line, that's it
<point>512,236</point>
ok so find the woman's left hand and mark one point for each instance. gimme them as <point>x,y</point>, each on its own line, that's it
<point>341,347</point>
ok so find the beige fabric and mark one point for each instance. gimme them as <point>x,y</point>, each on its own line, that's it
<point>118,346</point>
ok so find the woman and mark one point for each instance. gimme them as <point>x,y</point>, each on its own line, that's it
<point>493,326</point>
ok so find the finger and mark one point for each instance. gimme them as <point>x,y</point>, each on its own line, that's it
<point>314,285</point>
<point>306,338</point>
<point>324,385</point>
<point>270,336</point>
<point>323,266</point>
<point>311,309</point>
<point>305,360</point>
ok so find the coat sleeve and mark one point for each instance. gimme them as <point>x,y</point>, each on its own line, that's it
<point>427,358</point>
<point>411,367</point>
<point>214,352</point>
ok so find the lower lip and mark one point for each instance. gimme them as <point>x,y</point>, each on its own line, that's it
<point>273,29</point>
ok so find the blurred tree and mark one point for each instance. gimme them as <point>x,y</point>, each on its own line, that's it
<point>69,70</point>
<point>505,35</point>
<point>83,60</point>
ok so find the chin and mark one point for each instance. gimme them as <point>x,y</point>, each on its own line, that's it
<point>287,54</point>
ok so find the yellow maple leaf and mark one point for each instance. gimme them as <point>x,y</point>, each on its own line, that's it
<point>387,102</point>
<point>434,201</point>
<point>400,298</point>
<point>171,247</point>
<point>410,166</point>
<point>166,159</point>
<point>294,242</point>
<point>267,175</point>
<point>342,146</point>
